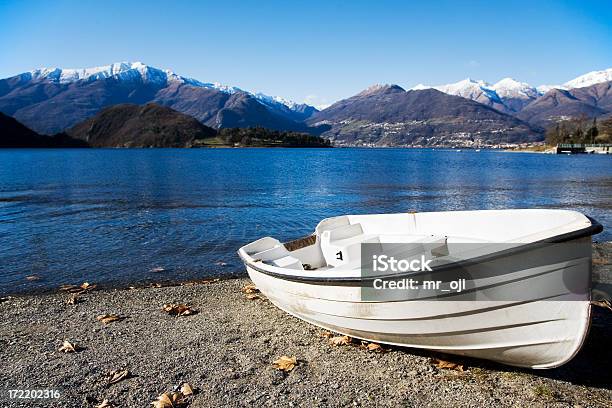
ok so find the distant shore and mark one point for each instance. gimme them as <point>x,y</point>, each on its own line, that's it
<point>225,352</point>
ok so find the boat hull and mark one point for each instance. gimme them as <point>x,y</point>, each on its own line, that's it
<point>535,316</point>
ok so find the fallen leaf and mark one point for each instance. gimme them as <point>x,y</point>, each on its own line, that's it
<point>68,347</point>
<point>250,288</point>
<point>74,299</point>
<point>340,340</point>
<point>32,278</point>
<point>602,303</point>
<point>117,375</point>
<point>107,318</point>
<point>186,390</point>
<point>600,261</point>
<point>178,309</point>
<point>374,347</point>
<point>253,296</point>
<point>85,286</point>
<point>105,404</point>
<point>449,365</point>
<point>199,282</point>
<point>326,334</point>
<point>285,363</point>
<point>169,400</point>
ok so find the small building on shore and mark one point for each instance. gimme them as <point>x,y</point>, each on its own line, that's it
<point>599,148</point>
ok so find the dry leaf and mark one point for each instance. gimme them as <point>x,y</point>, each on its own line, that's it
<point>340,340</point>
<point>85,286</point>
<point>73,300</point>
<point>200,282</point>
<point>169,400</point>
<point>326,334</point>
<point>32,278</point>
<point>117,375</point>
<point>178,309</point>
<point>105,404</point>
<point>68,347</point>
<point>253,296</point>
<point>449,365</point>
<point>285,363</point>
<point>374,347</point>
<point>250,288</point>
<point>186,390</point>
<point>107,318</point>
<point>602,303</point>
<point>600,261</point>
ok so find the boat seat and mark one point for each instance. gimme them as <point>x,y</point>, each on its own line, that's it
<point>410,245</point>
<point>261,244</point>
<point>342,246</point>
<point>288,262</point>
<point>271,254</point>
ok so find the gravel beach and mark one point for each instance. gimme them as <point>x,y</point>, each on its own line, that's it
<point>226,350</point>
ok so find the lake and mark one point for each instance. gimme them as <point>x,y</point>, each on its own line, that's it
<point>119,216</point>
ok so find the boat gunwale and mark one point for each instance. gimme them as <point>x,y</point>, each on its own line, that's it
<point>593,229</point>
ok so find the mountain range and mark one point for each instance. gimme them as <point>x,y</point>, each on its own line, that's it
<point>511,96</point>
<point>52,100</point>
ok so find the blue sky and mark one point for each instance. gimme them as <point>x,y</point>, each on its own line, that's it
<point>318,51</point>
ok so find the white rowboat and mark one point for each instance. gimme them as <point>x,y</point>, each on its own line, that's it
<point>527,277</point>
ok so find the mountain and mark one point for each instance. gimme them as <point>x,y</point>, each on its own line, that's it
<point>50,100</point>
<point>151,125</point>
<point>558,104</point>
<point>15,134</point>
<point>515,95</point>
<point>389,115</point>
<point>507,95</point>
<point>511,96</point>
<point>592,78</point>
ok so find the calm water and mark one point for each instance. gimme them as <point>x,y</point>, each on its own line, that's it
<point>116,216</point>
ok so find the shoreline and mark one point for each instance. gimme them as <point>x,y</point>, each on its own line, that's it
<point>226,351</point>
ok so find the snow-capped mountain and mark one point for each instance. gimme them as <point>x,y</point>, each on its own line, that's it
<point>50,100</point>
<point>470,89</point>
<point>592,78</point>
<point>511,96</point>
<point>477,90</point>
<point>138,71</point>
<point>511,88</point>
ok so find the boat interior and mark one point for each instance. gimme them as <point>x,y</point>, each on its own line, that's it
<point>337,242</point>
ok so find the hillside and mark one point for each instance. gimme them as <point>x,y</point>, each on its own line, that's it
<point>389,115</point>
<point>15,134</point>
<point>150,125</point>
